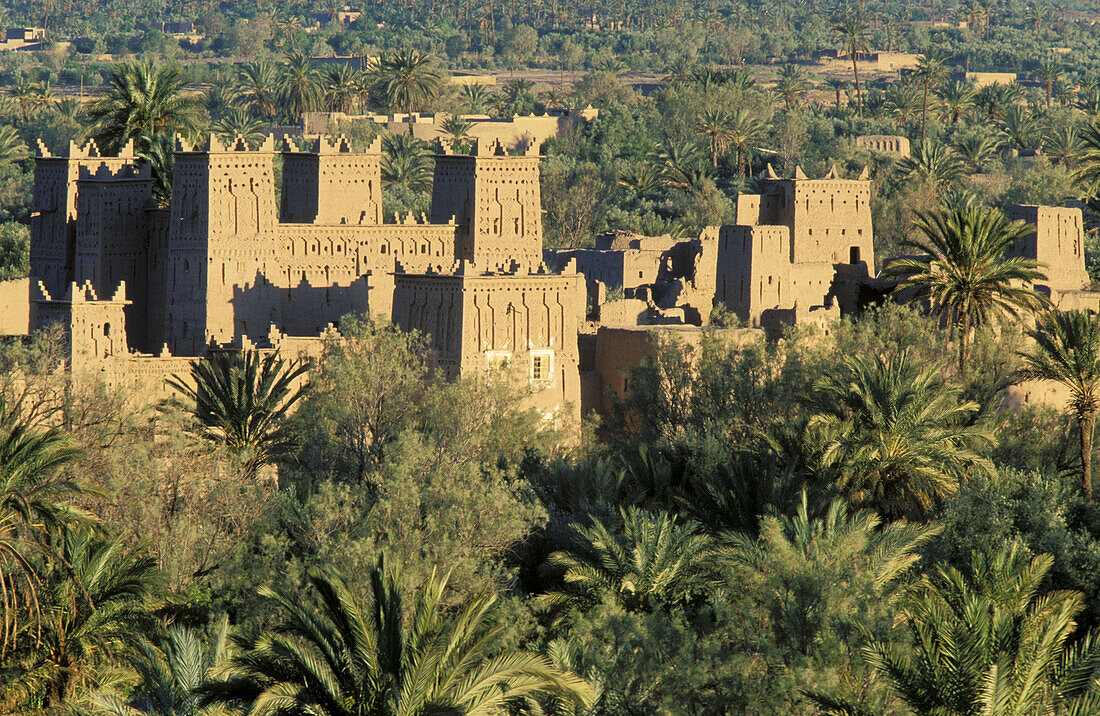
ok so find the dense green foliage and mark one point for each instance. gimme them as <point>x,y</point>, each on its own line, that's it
<point>754,556</point>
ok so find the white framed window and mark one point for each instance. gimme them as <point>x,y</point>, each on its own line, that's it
<point>542,366</point>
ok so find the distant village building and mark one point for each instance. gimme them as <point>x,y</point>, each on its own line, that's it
<point>344,16</point>
<point>24,38</point>
<point>884,144</point>
<point>512,132</point>
<point>985,79</point>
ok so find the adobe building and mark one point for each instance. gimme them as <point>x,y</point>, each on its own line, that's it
<point>885,144</point>
<point>515,132</point>
<point>236,262</point>
<point>240,260</point>
<point>801,251</point>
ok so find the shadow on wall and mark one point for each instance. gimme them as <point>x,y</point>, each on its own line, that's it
<point>303,310</point>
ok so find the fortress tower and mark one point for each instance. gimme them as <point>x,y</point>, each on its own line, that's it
<point>332,185</point>
<point>1057,242</point>
<point>221,233</point>
<point>801,244</point>
<point>496,202</point>
<point>829,218</point>
<point>56,211</point>
<point>95,329</point>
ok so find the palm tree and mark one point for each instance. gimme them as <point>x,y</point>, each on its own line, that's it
<point>966,276</point>
<point>405,162</point>
<point>892,435</point>
<point>744,130</point>
<point>240,123</point>
<point>457,131</point>
<point>342,86</point>
<point>958,99</point>
<point>904,101</point>
<point>713,126</point>
<point>259,88</point>
<point>976,150</point>
<point>1049,73</point>
<point>33,506</point>
<point>242,400</point>
<point>837,85</point>
<point>653,560</point>
<point>142,101</point>
<point>677,162</point>
<point>23,91</point>
<point>853,33</point>
<point>933,163</point>
<point>988,642</point>
<point>996,99</point>
<point>1087,174</point>
<point>1088,100</point>
<point>1067,351</point>
<point>101,597</point>
<point>342,655</point>
<point>811,562</point>
<point>930,71</point>
<point>792,84</point>
<point>641,180</point>
<point>159,154</point>
<point>408,79</point>
<point>1022,128</point>
<point>299,87</point>
<point>220,98</point>
<point>474,98</point>
<point>1063,144</point>
<point>171,675</point>
<point>12,146</point>
<point>43,96</point>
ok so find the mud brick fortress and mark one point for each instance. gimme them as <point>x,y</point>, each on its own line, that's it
<point>243,260</point>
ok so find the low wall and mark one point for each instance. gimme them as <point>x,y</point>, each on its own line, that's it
<point>15,307</point>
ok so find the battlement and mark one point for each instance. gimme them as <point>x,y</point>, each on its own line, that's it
<point>323,145</point>
<point>90,150</point>
<point>125,172</point>
<point>78,293</point>
<point>487,148</point>
<point>213,145</point>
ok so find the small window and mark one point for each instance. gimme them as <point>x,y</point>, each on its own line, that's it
<point>107,330</point>
<point>540,367</point>
<point>853,255</point>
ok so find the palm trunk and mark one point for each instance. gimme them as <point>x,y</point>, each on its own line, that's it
<point>1087,424</point>
<point>924,112</point>
<point>964,348</point>
<point>859,93</point>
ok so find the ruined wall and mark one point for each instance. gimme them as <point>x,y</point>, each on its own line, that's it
<point>1057,241</point>
<point>496,201</point>
<point>477,321</point>
<point>885,143</point>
